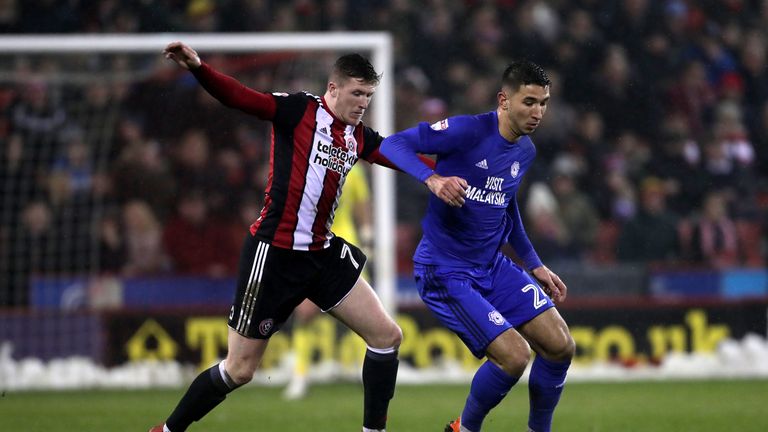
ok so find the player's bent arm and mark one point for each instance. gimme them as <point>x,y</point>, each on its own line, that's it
<point>232,93</point>
<point>521,244</point>
<point>379,159</point>
<point>400,149</point>
<point>442,138</point>
<point>519,240</point>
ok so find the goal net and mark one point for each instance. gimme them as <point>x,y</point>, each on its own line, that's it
<point>99,136</point>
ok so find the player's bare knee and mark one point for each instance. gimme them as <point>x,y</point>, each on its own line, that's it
<point>242,376</point>
<point>241,371</point>
<point>515,361</point>
<point>394,336</point>
<point>397,336</point>
<point>561,351</point>
<point>388,337</point>
<point>568,350</point>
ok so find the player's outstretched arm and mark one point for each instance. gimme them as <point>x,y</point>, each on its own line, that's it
<point>227,90</point>
<point>183,55</point>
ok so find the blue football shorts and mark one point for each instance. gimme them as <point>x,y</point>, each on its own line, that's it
<point>480,303</point>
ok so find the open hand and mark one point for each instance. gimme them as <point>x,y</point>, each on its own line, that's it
<point>183,55</point>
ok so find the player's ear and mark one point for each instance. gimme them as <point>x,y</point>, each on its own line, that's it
<point>333,89</point>
<point>502,99</point>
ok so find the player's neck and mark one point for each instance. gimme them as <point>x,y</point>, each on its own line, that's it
<point>330,103</point>
<point>505,129</point>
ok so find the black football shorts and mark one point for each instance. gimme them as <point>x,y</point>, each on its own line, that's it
<point>273,281</point>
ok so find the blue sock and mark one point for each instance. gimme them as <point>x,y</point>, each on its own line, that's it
<point>545,385</point>
<point>489,386</point>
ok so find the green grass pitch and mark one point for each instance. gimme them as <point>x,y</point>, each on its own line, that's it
<point>702,406</point>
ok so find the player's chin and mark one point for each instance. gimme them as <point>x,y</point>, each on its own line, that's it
<point>354,119</point>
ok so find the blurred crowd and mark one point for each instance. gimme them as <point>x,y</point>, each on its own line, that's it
<point>654,149</point>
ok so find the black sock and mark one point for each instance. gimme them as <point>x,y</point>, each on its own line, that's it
<point>206,391</point>
<point>379,376</point>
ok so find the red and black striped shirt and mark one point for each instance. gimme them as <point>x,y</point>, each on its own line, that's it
<point>311,153</point>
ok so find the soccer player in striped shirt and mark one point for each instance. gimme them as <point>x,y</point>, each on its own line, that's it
<point>498,309</point>
<point>290,252</point>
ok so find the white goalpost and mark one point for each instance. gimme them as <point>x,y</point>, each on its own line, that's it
<point>378,44</point>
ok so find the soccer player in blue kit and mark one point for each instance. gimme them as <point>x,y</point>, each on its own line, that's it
<point>499,310</point>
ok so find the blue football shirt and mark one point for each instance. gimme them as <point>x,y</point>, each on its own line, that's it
<point>472,148</point>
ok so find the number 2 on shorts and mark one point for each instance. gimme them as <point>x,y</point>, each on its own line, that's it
<point>537,300</point>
